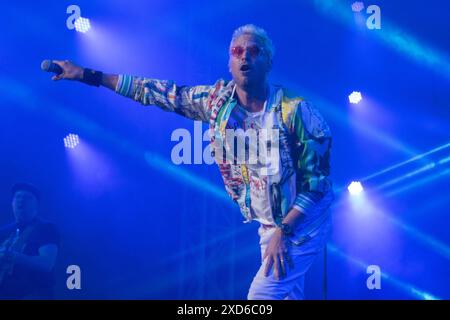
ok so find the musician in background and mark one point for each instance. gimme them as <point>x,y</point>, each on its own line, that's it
<point>28,249</point>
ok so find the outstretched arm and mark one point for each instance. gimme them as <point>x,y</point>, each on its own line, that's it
<point>72,71</point>
<point>191,102</point>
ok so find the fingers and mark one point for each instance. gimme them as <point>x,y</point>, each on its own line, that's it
<point>279,265</point>
<point>277,257</point>
<point>58,77</point>
<point>268,266</point>
<point>276,269</point>
<point>58,62</point>
<point>61,75</point>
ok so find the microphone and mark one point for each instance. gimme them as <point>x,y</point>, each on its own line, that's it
<point>49,66</point>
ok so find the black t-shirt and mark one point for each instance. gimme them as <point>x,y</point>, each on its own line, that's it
<point>23,282</point>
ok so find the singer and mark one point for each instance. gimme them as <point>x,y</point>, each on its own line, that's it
<point>291,200</point>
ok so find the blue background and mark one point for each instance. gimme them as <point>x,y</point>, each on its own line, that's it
<point>140,227</point>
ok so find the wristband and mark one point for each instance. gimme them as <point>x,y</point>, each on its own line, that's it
<point>92,77</point>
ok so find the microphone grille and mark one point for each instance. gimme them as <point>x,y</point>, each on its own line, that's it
<point>45,65</point>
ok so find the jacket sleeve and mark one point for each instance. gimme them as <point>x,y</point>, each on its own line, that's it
<point>190,102</point>
<point>312,156</point>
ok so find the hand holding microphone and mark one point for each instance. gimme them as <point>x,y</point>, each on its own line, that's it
<point>70,71</point>
<point>63,69</point>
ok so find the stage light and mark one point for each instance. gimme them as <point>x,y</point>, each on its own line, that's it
<point>355,97</point>
<point>357,6</point>
<point>82,25</point>
<point>355,188</point>
<point>71,141</point>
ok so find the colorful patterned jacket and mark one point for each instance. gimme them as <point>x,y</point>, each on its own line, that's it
<point>305,140</point>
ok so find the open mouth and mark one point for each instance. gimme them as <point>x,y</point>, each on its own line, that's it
<point>245,67</point>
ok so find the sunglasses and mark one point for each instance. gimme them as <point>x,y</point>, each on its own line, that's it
<point>238,51</point>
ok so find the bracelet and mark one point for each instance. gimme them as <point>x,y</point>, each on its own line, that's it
<point>92,77</point>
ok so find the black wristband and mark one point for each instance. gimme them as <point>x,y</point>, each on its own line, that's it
<point>92,77</point>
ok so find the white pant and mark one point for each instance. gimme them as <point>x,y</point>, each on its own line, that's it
<point>291,287</point>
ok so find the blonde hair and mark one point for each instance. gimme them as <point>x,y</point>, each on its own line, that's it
<point>256,31</point>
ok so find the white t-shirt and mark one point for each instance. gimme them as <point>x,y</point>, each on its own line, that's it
<point>267,169</point>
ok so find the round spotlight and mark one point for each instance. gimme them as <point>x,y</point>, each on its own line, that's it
<point>355,97</point>
<point>357,6</point>
<point>355,188</point>
<point>82,25</point>
<point>71,141</point>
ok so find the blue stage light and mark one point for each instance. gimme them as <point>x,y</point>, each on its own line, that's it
<point>82,25</point>
<point>71,141</point>
<point>355,97</point>
<point>355,188</point>
<point>357,6</point>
